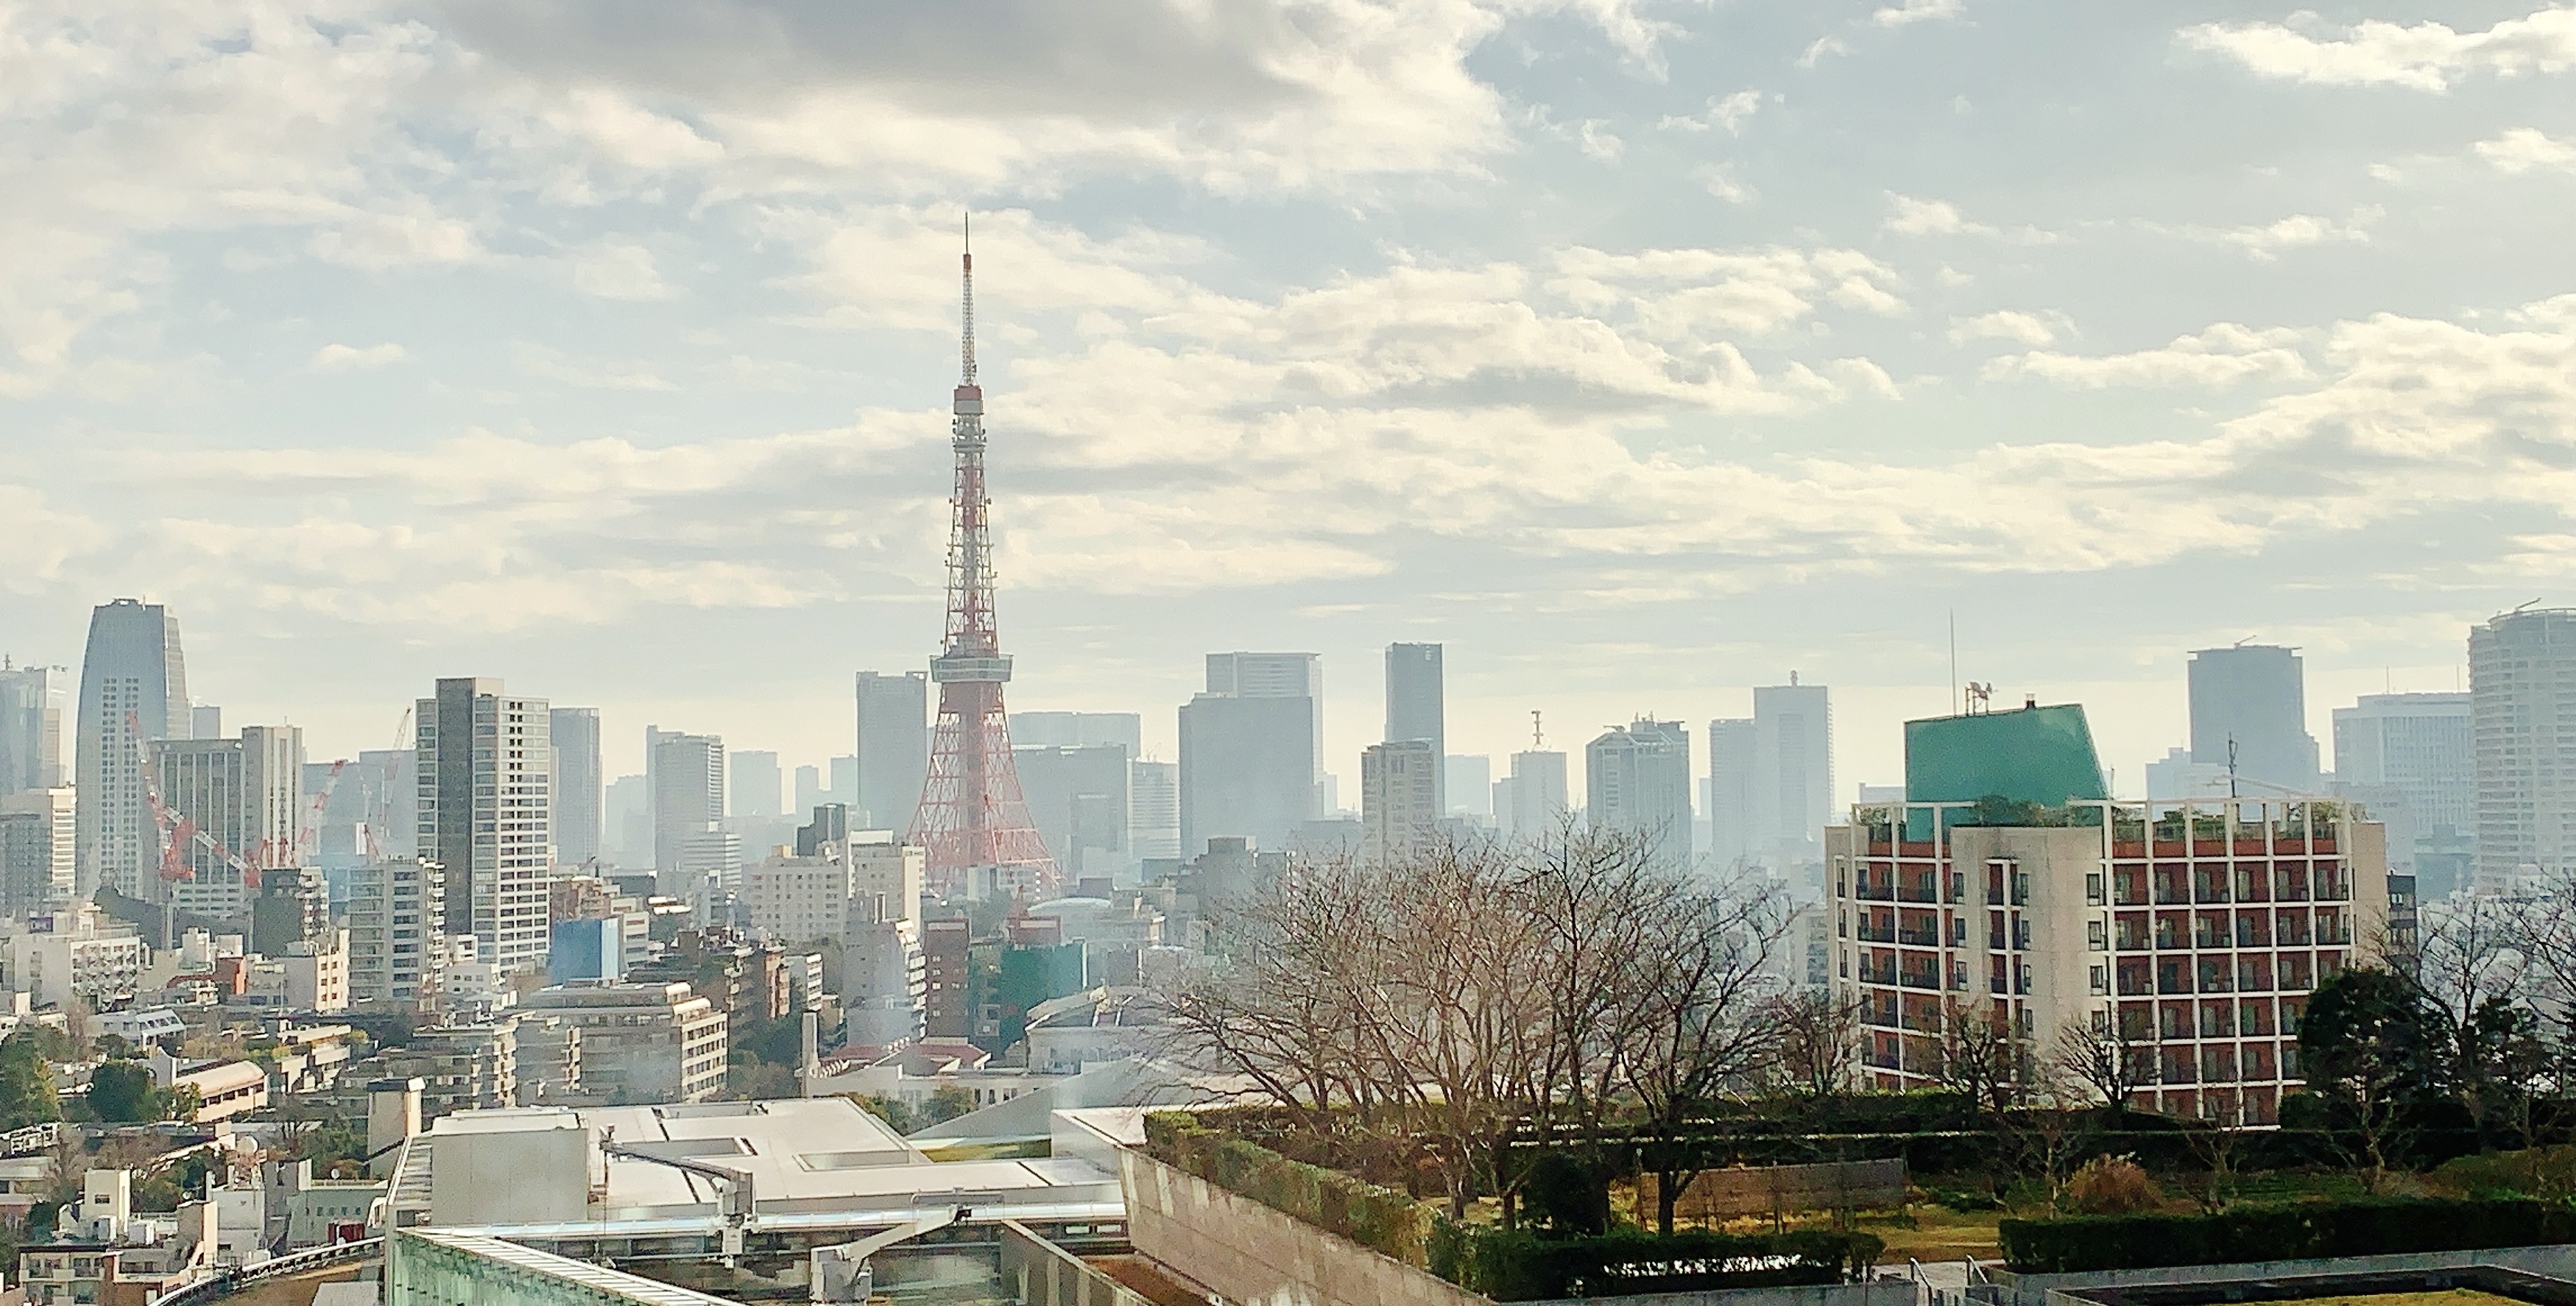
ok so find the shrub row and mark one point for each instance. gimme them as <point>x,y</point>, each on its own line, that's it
<point>1517,1265</point>
<point>2281,1233</point>
<point>1383,1219</point>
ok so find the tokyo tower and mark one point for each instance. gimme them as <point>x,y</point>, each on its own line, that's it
<point>973,821</point>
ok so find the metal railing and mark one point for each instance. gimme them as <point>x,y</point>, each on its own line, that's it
<point>227,1282</point>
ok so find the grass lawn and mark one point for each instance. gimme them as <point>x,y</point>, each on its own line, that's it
<point>2454,1297</point>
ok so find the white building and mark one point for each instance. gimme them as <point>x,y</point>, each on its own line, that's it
<point>2411,759</point>
<point>53,959</point>
<point>2522,689</point>
<point>1637,779</point>
<point>317,975</point>
<point>1154,810</point>
<point>397,934</point>
<point>641,1042</point>
<point>485,814</point>
<point>1531,800</point>
<point>1399,798</point>
<point>1793,773</point>
<point>38,836</point>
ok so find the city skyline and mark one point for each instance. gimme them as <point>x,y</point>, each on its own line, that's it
<point>1664,352</point>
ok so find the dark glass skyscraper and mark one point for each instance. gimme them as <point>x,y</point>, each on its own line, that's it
<point>1416,706</point>
<point>134,687</point>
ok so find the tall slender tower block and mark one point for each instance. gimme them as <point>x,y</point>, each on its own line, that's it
<point>972,819</point>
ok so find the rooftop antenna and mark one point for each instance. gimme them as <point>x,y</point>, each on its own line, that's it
<point>2231,766</point>
<point>1538,737</point>
<point>2242,642</point>
<point>2520,606</point>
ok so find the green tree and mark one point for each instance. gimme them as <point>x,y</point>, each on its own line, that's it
<point>947,1104</point>
<point>121,1092</point>
<point>893,1111</point>
<point>27,1093</point>
<point>2378,1053</point>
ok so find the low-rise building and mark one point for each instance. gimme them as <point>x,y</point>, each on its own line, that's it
<point>641,1042</point>
<point>224,1089</point>
<point>1096,1028</point>
<point>74,954</point>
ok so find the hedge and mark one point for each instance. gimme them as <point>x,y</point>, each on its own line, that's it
<point>2306,1231</point>
<point>1517,1265</point>
<point>1383,1219</point>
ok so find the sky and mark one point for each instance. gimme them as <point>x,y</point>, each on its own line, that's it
<point>1638,352</point>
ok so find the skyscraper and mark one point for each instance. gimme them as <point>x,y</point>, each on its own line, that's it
<point>246,794</point>
<point>1154,810</point>
<point>134,687</point>
<point>1078,730</point>
<point>1248,750</point>
<point>1416,706</point>
<point>1276,675</point>
<point>485,814</point>
<point>2522,701</point>
<point>688,793</point>
<point>1734,749</point>
<point>2253,698</point>
<point>1793,773</point>
<point>1399,799</point>
<point>1077,796</point>
<point>31,727</point>
<point>894,749</point>
<point>1637,779</point>
<point>2411,761</point>
<point>756,787</point>
<point>577,776</point>
<point>38,831</point>
<point>1532,800</point>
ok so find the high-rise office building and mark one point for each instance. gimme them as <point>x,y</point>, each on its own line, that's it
<point>1734,747</point>
<point>485,816</point>
<point>31,727</point>
<point>573,733</point>
<point>1078,730</point>
<point>628,836</point>
<point>688,793</point>
<point>134,687</point>
<point>1417,706</point>
<point>1637,779</point>
<point>1793,773</point>
<point>1077,797</point>
<point>1248,750</point>
<point>1468,780</point>
<point>38,833</point>
<point>1154,810</point>
<point>1277,675</point>
<point>809,788</point>
<point>894,749</point>
<point>1532,801</point>
<point>246,795</point>
<point>2411,761</point>
<point>2522,701</point>
<point>2249,714</point>
<point>756,788</point>
<point>1399,799</point>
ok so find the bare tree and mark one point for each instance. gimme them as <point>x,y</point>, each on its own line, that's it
<point>1819,1041</point>
<point>2099,1059</point>
<point>1978,1056</point>
<point>1704,1024</point>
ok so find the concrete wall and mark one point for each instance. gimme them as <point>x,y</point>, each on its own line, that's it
<point>1882,1292</point>
<point>1763,1189</point>
<point>430,1267</point>
<point>1255,1256</point>
<point>1044,1274</point>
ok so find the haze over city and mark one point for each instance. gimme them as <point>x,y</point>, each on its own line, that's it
<point>1637,353</point>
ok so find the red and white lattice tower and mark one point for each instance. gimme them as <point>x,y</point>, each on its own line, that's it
<point>972,819</point>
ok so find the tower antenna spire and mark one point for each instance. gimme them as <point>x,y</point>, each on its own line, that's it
<point>966,348</point>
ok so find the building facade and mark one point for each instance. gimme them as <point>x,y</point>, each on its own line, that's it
<point>485,815</point>
<point>2249,714</point>
<point>1247,767</point>
<point>1077,796</point>
<point>1399,799</point>
<point>688,793</point>
<point>1532,800</point>
<point>1732,754</point>
<point>32,700</point>
<point>1793,773</point>
<point>246,797</point>
<point>1417,704</point>
<point>2522,690</point>
<point>574,789</point>
<point>397,931</point>
<point>893,759</point>
<point>641,1042</point>
<point>2190,935</point>
<point>134,688</point>
<point>1637,779</point>
<point>1154,811</point>
<point>2411,760</point>
<point>39,832</point>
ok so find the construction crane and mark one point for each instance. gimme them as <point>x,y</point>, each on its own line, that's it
<point>178,832</point>
<point>383,808</point>
<point>308,832</point>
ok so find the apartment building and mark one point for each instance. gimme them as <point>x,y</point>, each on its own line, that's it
<point>2192,932</point>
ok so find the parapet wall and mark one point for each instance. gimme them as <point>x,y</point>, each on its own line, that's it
<point>1247,1253</point>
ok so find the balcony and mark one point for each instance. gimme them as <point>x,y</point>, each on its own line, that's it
<point>1919,938</point>
<point>1922,979</point>
<point>1875,934</point>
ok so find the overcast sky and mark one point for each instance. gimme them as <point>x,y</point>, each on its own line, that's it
<point>1640,352</point>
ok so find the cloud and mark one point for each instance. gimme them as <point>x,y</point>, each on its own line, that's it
<point>1728,114</point>
<point>1824,48</point>
<point>1915,11</point>
<point>554,365</point>
<point>2223,355</point>
<point>2523,149</point>
<point>2266,241</point>
<point>1908,216</point>
<point>2425,57</point>
<point>350,358</point>
<point>2010,324</point>
<point>619,269</point>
